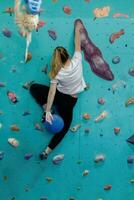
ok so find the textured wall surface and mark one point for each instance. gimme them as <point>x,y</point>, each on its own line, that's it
<point>22,179</point>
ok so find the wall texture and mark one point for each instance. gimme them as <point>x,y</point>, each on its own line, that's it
<point>22,179</point>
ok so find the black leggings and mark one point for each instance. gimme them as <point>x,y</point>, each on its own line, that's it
<point>64,104</point>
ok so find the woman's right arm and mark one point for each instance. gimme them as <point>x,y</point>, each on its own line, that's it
<point>77,40</point>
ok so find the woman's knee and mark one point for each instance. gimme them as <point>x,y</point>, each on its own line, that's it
<point>33,87</point>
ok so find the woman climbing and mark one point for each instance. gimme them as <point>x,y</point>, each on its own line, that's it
<point>66,82</point>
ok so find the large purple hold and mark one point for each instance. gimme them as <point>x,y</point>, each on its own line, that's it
<point>93,55</point>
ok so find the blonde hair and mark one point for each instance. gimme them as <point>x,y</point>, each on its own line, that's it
<point>59,58</point>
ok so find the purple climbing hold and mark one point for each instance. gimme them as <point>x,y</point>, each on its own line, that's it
<point>28,156</point>
<point>131,71</point>
<point>2,155</point>
<point>93,55</point>
<point>52,34</point>
<point>130,159</point>
<point>43,198</point>
<point>6,32</point>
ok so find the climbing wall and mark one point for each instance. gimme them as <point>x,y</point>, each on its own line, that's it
<point>98,161</point>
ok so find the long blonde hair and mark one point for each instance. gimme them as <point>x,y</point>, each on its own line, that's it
<point>59,58</point>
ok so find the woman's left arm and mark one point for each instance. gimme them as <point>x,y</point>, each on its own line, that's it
<point>50,99</point>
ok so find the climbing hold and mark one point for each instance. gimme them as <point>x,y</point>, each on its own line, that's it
<point>101,101</point>
<point>26,189</point>
<point>131,139</point>
<point>29,57</point>
<point>102,116</point>
<point>131,71</point>
<point>14,127</point>
<point>85,172</point>
<point>101,12</point>
<point>87,87</point>
<point>120,15</point>
<point>116,60</point>
<point>2,154</point>
<point>5,178</point>
<point>45,69</point>
<point>40,25</point>
<point>1,112</point>
<point>26,113</point>
<point>12,96</point>
<point>87,130</point>
<point>13,198</point>
<point>2,84</point>
<point>67,10</point>
<point>75,128</point>
<point>129,101</point>
<point>58,158</point>
<point>49,179</point>
<point>43,198</point>
<point>1,125</point>
<point>86,116</point>
<point>13,70</point>
<point>107,187</point>
<point>28,156</point>
<point>131,181</point>
<point>9,10</point>
<point>93,55</point>
<point>99,158</point>
<point>78,188</point>
<point>79,162</point>
<point>7,33</point>
<point>27,85</point>
<point>13,142</point>
<point>52,34</point>
<point>130,159</point>
<point>118,85</point>
<point>116,35</point>
<point>72,198</point>
<point>116,130</point>
<point>38,127</point>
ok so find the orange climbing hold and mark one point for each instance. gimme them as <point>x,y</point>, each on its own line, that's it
<point>86,116</point>
<point>14,127</point>
<point>101,12</point>
<point>67,10</point>
<point>116,130</point>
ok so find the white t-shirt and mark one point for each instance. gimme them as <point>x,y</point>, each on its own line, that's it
<point>70,79</point>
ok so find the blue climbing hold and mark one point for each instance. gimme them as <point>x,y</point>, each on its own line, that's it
<point>56,126</point>
<point>33,6</point>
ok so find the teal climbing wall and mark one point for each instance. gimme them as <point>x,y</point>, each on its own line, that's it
<point>22,179</point>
